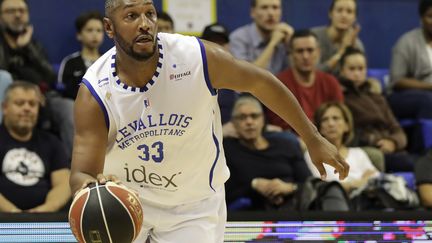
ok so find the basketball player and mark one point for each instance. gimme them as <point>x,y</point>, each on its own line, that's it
<point>147,113</point>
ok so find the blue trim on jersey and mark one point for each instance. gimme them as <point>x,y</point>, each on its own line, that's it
<point>151,82</point>
<point>205,67</point>
<point>98,99</point>
<point>215,140</point>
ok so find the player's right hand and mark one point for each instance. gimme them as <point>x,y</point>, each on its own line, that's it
<point>323,152</point>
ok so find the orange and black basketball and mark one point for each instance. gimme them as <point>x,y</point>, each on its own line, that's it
<point>105,213</point>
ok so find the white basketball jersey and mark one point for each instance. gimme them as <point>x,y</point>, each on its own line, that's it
<point>165,139</point>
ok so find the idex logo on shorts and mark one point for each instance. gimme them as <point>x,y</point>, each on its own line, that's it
<point>146,178</point>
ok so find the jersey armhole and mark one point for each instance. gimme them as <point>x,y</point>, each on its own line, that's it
<point>99,101</point>
<point>212,90</point>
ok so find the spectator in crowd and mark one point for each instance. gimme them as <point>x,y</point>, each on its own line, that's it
<point>411,74</point>
<point>20,54</point>
<point>334,121</point>
<point>35,169</point>
<point>90,34</point>
<point>310,86</point>
<point>423,176</point>
<point>366,186</point>
<point>374,121</point>
<point>342,32</point>
<point>263,42</point>
<point>165,23</point>
<point>23,57</point>
<point>5,81</point>
<point>216,33</point>
<point>269,170</point>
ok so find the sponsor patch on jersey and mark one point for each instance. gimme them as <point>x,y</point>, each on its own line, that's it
<point>179,76</point>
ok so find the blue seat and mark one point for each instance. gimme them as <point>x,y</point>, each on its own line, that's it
<point>409,178</point>
<point>426,126</point>
<point>239,204</point>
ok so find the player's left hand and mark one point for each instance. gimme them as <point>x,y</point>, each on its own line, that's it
<point>323,152</point>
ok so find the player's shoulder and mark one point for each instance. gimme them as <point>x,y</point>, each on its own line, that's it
<point>176,40</point>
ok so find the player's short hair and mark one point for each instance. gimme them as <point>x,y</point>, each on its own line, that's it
<point>301,34</point>
<point>109,5</point>
<point>346,114</point>
<point>424,5</point>
<point>26,86</point>
<point>83,18</point>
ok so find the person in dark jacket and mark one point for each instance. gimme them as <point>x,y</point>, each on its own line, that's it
<point>374,121</point>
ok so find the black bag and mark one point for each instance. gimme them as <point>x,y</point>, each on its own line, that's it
<point>313,193</point>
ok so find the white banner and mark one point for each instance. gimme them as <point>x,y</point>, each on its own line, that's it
<point>191,16</point>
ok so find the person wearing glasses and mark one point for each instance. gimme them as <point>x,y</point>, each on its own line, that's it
<point>267,170</point>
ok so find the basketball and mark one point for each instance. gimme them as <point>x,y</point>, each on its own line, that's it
<point>105,213</point>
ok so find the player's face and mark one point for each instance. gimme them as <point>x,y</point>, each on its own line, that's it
<point>249,121</point>
<point>165,26</point>
<point>92,34</point>
<point>305,53</point>
<point>267,14</point>
<point>133,26</point>
<point>427,21</point>
<point>14,16</point>
<point>343,14</point>
<point>355,69</point>
<point>333,125</point>
<point>20,110</point>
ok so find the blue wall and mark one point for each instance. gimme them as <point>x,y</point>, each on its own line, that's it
<point>382,22</point>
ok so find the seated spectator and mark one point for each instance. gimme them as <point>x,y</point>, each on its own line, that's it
<point>165,23</point>
<point>5,81</point>
<point>310,86</point>
<point>263,42</point>
<point>21,55</point>
<point>90,34</point>
<point>269,170</point>
<point>368,189</point>
<point>374,121</point>
<point>341,33</point>
<point>24,58</point>
<point>35,174</point>
<point>411,74</point>
<point>423,176</point>
<point>334,121</point>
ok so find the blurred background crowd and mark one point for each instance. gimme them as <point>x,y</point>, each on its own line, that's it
<point>368,93</point>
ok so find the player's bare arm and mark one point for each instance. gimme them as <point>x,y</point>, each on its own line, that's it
<point>228,72</point>
<point>91,135</point>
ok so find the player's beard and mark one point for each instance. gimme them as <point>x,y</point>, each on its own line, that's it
<point>128,49</point>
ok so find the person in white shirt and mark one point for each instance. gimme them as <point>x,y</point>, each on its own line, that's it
<point>334,122</point>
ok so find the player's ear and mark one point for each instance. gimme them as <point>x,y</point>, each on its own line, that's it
<point>109,28</point>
